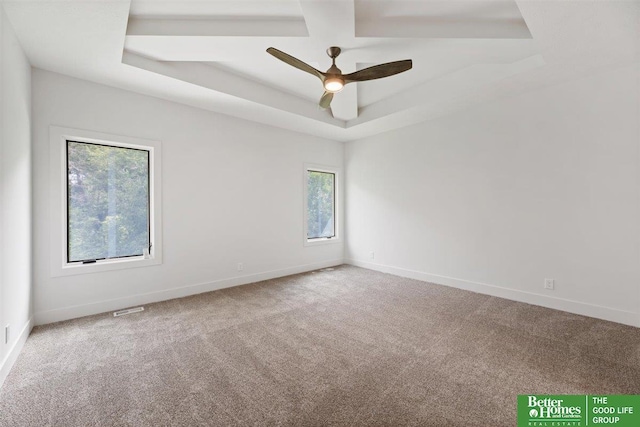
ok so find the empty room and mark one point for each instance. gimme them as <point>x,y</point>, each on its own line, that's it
<point>320,213</point>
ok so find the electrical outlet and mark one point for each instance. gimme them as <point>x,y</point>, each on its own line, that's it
<point>372,255</point>
<point>7,334</point>
<point>549,284</point>
<point>240,266</point>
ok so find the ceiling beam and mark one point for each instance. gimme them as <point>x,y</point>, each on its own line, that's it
<point>368,51</point>
<point>220,49</point>
<point>211,77</point>
<point>332,21</point>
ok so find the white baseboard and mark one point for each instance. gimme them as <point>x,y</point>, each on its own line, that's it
<point>73,312</point>
<point>14,352</point>
<point>576,307</point>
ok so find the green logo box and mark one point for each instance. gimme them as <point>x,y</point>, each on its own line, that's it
<point>620,410</point>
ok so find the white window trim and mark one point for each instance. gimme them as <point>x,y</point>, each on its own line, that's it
<point>336,200</point>
<point>58,137</point>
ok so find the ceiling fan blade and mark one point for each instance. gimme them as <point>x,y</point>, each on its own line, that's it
<point>379,71</point>
<point>325,101</point>
<point>295,62</point>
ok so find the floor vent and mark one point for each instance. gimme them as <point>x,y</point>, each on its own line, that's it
<point>127,311</point>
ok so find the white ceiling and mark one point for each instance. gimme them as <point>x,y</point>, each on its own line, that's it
<point>211,53</point>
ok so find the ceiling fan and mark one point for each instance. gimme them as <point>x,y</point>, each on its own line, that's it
<point>333,80</point>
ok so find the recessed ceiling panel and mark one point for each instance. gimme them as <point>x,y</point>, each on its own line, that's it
<point>212,8</point>
<point>440,19</point>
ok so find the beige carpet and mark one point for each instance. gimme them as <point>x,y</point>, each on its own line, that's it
<point>342,347</point>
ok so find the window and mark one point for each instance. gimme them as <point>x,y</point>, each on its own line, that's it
<point>321,190</point>
<point>105,199</point>
<point>320,204</point>
<point>108,200</point>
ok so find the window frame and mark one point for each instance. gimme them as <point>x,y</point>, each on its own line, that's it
<point>336,205</point>
<point>60,266</point>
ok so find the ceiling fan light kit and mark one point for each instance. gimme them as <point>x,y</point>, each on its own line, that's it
<point>333,80</point>
<point>334,84</point>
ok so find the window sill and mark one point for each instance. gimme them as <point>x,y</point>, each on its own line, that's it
<point>322,241</point>
<point>104,265</point>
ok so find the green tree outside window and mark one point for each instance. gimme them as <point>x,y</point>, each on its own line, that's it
<point>108,201</point>
<point>320,204</point>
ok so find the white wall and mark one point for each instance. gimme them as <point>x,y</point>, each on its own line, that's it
<point>15,195</point>
<point>500,197</point>
<point>232,192</point>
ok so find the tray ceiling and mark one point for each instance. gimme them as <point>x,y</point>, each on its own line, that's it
<point>211,54</point>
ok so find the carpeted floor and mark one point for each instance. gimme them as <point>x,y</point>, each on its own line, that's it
<point>346,346</point>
